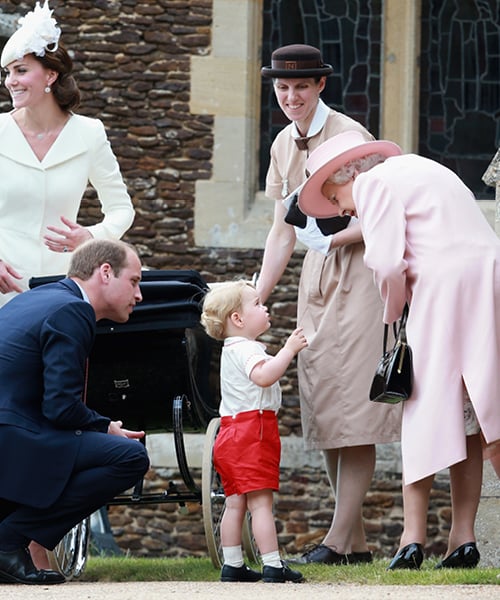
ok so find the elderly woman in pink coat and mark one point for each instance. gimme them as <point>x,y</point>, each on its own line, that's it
<point>428,244</point>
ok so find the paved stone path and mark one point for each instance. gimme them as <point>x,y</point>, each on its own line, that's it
<point>183,590</point>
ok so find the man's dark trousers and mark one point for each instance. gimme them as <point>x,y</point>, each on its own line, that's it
<point>106,465</point>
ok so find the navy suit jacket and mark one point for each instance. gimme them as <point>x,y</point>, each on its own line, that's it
<point>46,335</point>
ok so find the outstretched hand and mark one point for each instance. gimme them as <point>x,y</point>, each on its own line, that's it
<point>297,341</point>
<point>116,428</point>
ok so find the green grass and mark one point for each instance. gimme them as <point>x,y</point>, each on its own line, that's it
<point>201,569</point>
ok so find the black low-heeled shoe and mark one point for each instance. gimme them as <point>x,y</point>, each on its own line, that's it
<point>321,554</point>
<point>409,557</point>
<point>465,556</point>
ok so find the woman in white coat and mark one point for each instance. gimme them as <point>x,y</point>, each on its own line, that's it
<point>428,244</point>
<point>48,157</point>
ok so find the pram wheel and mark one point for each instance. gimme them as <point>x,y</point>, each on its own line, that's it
<point>70,555</point>
<point>214,503</point>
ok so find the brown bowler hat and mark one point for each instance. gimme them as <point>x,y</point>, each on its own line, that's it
<point>296,61</point>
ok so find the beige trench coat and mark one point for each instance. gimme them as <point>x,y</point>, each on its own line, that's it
<point>341,312</point>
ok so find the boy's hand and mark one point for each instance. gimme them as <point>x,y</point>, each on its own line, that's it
<point>297,341</point>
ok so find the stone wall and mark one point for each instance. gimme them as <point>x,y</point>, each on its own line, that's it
<point>303,510</point>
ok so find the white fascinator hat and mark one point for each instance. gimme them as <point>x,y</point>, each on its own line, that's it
<point>38,33</point>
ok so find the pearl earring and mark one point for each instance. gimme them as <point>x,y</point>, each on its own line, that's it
<point>47,90</point>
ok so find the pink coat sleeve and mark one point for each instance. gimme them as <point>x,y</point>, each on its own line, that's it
<point>383,224</point>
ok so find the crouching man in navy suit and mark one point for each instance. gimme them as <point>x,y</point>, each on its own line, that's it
<point>66,460</point>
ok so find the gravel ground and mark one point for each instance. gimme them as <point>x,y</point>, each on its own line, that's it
<point>243,591</point>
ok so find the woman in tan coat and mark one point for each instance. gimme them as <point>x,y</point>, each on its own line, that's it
<point>338,307</point>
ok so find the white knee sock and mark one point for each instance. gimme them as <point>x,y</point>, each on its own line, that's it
<point>233,556</point>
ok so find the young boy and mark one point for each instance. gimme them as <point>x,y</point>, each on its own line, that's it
<point>247,448</point>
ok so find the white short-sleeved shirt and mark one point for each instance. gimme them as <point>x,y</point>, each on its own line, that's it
<point>238,392</point>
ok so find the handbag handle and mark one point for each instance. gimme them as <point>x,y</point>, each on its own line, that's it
<point>399,332</point>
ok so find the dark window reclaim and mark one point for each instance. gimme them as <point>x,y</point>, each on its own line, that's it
<point>459,87</point>
<point>348,32</point>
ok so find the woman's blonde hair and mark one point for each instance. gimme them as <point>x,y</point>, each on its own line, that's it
<point>221,302</point>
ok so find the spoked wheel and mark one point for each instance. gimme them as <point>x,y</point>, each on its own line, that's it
<point>249,545</point>
<point>214,504</point>
<point>70,555</point>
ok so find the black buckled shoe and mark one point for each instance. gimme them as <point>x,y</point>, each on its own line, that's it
<point>281,574</point>
<point>409,557</point>
<point>241,574</point>
<point>465,556</point>
<point>321,554</point>
<point>16,566</point>
<point>358,558</point>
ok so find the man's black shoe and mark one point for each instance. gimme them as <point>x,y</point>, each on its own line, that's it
<point>242,573</point>
<point>16,566</point>
<point>281,574</point>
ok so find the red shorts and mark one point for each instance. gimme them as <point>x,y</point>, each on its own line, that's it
<point>247,452</point>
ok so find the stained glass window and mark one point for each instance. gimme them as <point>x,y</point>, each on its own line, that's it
<point>460,87</point>
<point>348,33</point>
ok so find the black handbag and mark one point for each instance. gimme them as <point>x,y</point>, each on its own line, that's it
<point>393,380</point>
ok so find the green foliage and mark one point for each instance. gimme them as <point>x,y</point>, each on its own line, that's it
<point>201,569</point>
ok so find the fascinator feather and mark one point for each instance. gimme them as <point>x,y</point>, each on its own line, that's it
<point>38,33</point>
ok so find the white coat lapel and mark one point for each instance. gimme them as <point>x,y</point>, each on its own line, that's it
<point>69,143</point>
<point>14,146</point>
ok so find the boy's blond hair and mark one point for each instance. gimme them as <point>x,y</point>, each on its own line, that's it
<point>221,302</point>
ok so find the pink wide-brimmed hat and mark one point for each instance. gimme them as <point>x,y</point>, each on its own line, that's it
<point>329,158</point>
